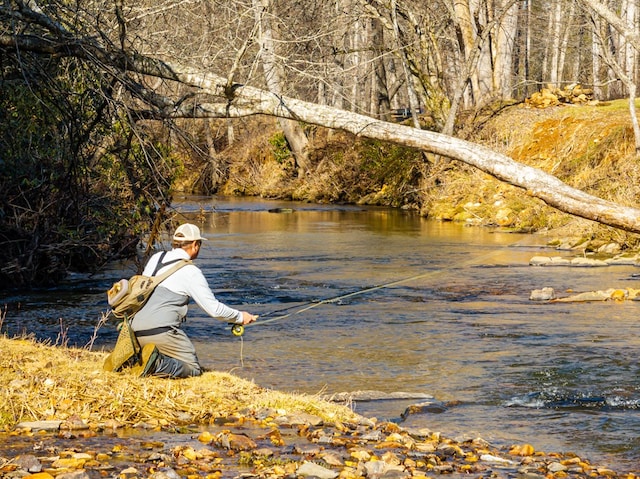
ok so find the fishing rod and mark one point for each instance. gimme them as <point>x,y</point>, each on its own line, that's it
<point>238,329</point>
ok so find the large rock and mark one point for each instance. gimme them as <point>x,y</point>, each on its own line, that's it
<point>581,261</point>
<point>549,261</point>
<point>544,294</point>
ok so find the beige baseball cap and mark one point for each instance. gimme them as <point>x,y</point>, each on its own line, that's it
<point>188,232</point>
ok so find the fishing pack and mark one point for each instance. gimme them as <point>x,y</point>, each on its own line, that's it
<point>128,296</point>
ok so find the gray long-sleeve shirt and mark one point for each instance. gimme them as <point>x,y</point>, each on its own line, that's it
<point>167,306</point>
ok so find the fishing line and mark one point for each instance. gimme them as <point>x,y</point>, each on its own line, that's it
<point>238,329</point>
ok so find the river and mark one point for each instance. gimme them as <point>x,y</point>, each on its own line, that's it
<point>423,307</point>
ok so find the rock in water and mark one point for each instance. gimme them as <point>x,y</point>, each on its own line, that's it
<point>544,294</point>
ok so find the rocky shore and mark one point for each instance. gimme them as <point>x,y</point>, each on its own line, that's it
<point>62,417</point>
<point>268,444</point>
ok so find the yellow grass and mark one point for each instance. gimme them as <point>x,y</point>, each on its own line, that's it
<point>41,382</point>
<point>589,147</point>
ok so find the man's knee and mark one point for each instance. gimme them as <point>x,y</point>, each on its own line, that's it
<point>167,366</point>
<point>196,371</point>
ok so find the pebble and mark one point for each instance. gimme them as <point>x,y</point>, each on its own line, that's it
<point>556,467</point>
<point>349,451</point>
<point>82,474</point>
<point>312,469</point>
<point>29,463</point>
<point>165,473</point>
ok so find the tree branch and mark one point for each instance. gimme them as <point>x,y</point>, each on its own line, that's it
<point>240,100</point>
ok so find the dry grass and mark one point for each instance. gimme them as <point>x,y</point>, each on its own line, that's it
<point>588,147</point>
<point>41,382</point>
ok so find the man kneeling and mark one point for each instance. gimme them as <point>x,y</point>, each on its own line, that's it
<point>166,349</point>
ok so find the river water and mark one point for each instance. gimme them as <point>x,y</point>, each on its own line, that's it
<point>423,307</point>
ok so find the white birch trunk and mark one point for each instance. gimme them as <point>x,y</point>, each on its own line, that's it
<point>528,42</point>
<point>294,134</point>
<point>356,66</point>
<point>566,27</point>
<point>634,116</point>
<point>630,52</point>
<point>596,53</point>
<point>555,24</point>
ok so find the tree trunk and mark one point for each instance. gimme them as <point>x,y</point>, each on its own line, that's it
<point>356,65</point>
<point>634,116</point>
<point>408,78</point>
<point>564,44</point>
<point>464,22</point>
<point>231,136</point>
<point>555,22</point>
<point>503,49</point>
<point>293,132</point>
<point>630,53</point>
<point>527,57</point>
<point>380,103</point>
<point>596,54</point>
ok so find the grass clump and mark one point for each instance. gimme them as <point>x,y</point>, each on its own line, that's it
<point>42,382</point>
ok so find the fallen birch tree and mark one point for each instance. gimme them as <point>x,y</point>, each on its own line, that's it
<point>242,100</point>
<point>237,100</point>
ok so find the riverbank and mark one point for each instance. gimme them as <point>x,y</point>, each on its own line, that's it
<point>589,147</point>
<point>64,417</point>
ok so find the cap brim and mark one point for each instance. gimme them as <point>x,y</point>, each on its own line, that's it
<point>185,239</point>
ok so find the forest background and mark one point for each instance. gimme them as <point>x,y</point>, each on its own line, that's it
<point>108,109</point>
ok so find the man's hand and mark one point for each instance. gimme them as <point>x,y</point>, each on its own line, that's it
<point>248,317</point>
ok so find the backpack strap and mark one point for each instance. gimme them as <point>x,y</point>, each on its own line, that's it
<point>159,264</point>
<point>179,263</point>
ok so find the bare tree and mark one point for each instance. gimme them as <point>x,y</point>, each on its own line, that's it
<point>380,105</point>
<point>242,100</point>
<point>475,54</point>
<point>626,30</point>
<point>293,132</point>
<point>626,75</point>
<point>596,48</point>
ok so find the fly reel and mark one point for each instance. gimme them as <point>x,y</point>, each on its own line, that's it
<point>237,329</point>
